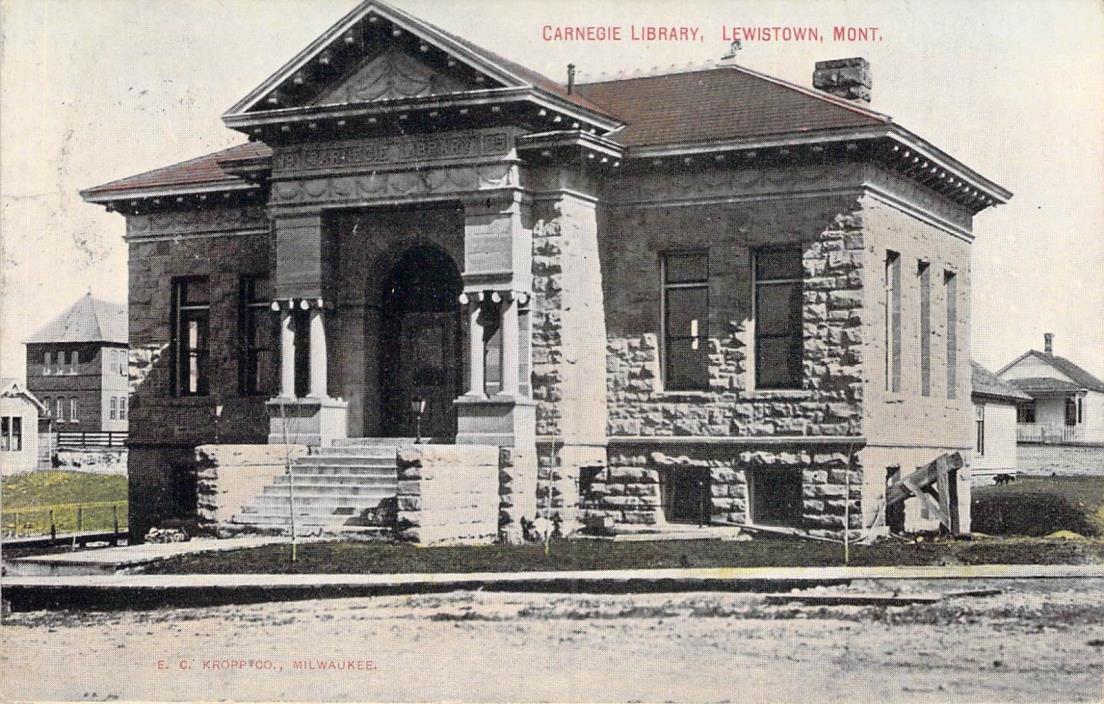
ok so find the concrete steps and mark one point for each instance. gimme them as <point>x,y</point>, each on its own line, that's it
<point>346,490</point>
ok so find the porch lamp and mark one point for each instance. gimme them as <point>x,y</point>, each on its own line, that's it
<point>417,407</point>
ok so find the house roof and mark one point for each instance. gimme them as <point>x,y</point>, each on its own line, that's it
<point>986,383</point>
<point>1082,378</point>
<point>12,387</point>
<point>1041,386</point>
<point>87,320</point>
<point>720,103</point>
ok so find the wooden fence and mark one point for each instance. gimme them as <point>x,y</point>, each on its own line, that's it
<point>75,438</point>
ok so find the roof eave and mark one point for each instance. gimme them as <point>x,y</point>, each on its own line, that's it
<point>98,197</point>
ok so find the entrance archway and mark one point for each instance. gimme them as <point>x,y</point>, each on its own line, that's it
<point>420,343</point>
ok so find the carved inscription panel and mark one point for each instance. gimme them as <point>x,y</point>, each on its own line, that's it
<point>376,153</point>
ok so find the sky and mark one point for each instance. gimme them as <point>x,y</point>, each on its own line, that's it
<point>93,90</point>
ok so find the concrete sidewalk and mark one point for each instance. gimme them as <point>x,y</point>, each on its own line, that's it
<point>153,591</point>
<point>107,561</point>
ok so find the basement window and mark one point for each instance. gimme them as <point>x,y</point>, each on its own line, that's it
<point>685,494</point>
<point>775,498</point>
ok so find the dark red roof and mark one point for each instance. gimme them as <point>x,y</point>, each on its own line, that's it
<point>726,102</point>
<point>201,171</point>
<point>723,103</point>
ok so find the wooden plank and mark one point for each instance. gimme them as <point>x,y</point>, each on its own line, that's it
<point>943,489</point>
<point>855,598</point>
<point>927,499</point>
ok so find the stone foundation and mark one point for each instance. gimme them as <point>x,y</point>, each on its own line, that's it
<point>517,493</point>
<point>229,476</point>
<point>90,459</point>
<point>448,494</point>
<point>629,490</point>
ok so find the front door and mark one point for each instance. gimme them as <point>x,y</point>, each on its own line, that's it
<point>420,344</point>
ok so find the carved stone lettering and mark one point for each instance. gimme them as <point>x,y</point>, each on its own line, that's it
<point>376,152</point>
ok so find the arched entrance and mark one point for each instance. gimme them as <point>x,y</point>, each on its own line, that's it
<point>421,344</point>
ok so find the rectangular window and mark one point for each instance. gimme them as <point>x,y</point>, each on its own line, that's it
<point>979,422</point>
<point>1080,410</point>
<point>73,411</point>
<point>47,403</point>
<point>60,408</point>
<point>893,322</point>
<point>257,334</point>
<point>60,362</point>
<point>779,338</point>
<point>15,440</point>
<point>1071,412</point>
<point>124,364</point>
<point>950,295</point>
<point>686,321</point>
<point>1026,413</point>
<point>74,360</point>
<point>114,410</point>
<point>923,274</point>
<point>5,433</point>
<point>47,362</point>
<point>122,408</point>
<point>191,310</point>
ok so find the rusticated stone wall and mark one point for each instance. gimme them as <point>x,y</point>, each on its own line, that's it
<point>517,492</point>
<point>448,494</point>
<point>568,348</point>
<point>173,250</point>
<point>228,477</point>
<point>830,233</point>
<point>628,491</point>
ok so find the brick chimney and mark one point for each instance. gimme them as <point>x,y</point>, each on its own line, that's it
<point>844,78</point>
<point>1048,343</point>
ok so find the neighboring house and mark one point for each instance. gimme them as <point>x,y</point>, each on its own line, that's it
<point>20,413</point>
<point>1067,404</point>
<point>705,295</point>
<point>77,366</point>
<point>996,405</point>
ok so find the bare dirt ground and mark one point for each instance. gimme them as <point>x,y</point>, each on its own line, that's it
<point>1037,641</point>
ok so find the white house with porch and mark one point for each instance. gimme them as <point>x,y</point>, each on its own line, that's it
<point>1067,405</point>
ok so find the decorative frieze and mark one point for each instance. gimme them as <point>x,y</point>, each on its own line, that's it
<point>392,185</point>
<point>214,220</point>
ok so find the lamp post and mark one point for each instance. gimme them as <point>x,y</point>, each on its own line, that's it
<point>218,415</point>
<point>417,407</point>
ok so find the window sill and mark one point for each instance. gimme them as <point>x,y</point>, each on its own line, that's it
<point>688,395</point>
<point>779,393</point>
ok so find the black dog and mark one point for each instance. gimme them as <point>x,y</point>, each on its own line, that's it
<point>1003,479</point>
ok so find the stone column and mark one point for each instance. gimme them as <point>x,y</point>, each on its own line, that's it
<point>317,353</point>
<point>287,353</point>
<point>475,354</point>
<point>510,345</point>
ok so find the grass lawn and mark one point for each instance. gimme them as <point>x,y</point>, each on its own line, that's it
<point>27,499</point>
<point>369,558</point>
<point>1040,506</point>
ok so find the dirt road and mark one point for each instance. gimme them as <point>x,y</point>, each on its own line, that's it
<point>1036,641</point>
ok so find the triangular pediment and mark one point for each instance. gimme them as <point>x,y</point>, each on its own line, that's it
<point>376,53</point>
<point>394,74</point>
